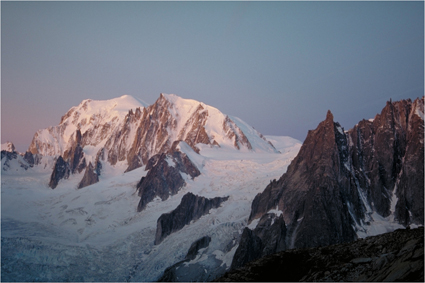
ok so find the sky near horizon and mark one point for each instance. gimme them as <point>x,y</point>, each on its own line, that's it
<point>279,66</point>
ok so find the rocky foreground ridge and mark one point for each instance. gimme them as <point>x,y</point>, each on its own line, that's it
<point>395,256</point>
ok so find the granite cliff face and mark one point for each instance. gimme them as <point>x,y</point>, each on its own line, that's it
<point>387,155</point>
<point>314,192</point>
<point>340,182</point>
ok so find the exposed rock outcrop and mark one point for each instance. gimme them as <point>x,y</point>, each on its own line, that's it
<point>119,144</point>
<point>395,256</point>
<point>98,121</point>
<point>32,159</point>
<point>234,132</point>
<point>126,129</point>
<point>339,179</point>
<point>10,155</point>
<point>314,191</point>
<point>60,171</point>
<point>72,162</point>
<point>164,122</point>
<point>75,155</point>
<point>191,207</point>
<point>90,177</point>
<point>164,177</point>
<point>267,238</point>
<point>8,146</point>
<point>409,208</point>
<point>387,150</point>
<point>193,131</point>
<point>170,272</point>
<point>6,156</point>
<point>196,246</point>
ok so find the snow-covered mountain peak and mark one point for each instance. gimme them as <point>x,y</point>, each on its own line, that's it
<point>8,146</point>
<point>91,110</point>
<point>178,101</point>
<point>172,118</point>
<point>96,119</point>
<point>130,131</point>
<point>191,117</point>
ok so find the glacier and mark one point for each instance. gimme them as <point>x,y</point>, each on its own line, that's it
<point>96,233</point>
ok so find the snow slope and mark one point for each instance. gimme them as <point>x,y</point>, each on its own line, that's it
<point>96,234</point>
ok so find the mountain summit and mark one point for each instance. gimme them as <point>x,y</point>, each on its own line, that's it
<point>127,130</point>
<point>172,118</point>
<point>96,120</point>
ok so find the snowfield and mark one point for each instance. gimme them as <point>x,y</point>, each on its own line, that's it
<point>96,233</point>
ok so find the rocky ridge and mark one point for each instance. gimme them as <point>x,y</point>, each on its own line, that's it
<point>90,177</point>
<point>191,208</point>
<point>60,171</point>
<point>24,160</point>
<point>394,256</point>
<point>341,181</point>
<point>164,176</point>
<point>269,236</point>
<point>170,273</point>
<point>72,162</point>
<point>172,118</point>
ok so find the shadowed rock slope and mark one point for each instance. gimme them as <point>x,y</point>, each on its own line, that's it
<point>340,179</point>
<point>267,238</point>
<point>73,161</point>
<point>164,175</point>
<point>25,160</point>
<point>341,182</point>
<point>395,256</point>
<point>191,207</point>
<point>171,273</point>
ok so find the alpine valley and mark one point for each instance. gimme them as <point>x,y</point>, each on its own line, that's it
<point>121,190</point>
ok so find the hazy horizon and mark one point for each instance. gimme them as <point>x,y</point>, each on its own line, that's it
<point>279,66</point>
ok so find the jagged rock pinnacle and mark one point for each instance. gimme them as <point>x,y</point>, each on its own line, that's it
<point>329,116</point>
